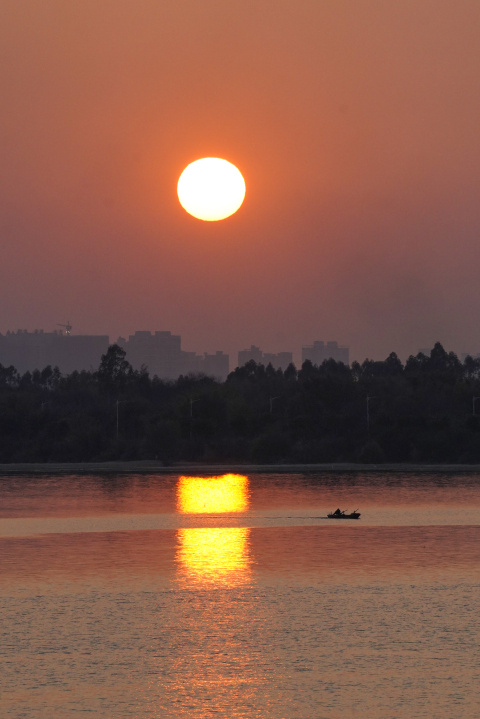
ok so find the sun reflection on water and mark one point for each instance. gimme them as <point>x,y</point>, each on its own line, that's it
<point>218,555</point>
<point>213,555</point>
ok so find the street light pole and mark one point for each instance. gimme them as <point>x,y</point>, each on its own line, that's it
<point>192,402</point>
<point>271,403</point>
<point>119,401</point>
<point>368,412</point>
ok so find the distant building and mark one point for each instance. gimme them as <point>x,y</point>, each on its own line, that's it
<point>189,363</point>
<point>217,365</point>
<point>281,360</point>
<point>254,353</point>
<point>321,351</point>
<point>28,351</point>
<point>161,353</point>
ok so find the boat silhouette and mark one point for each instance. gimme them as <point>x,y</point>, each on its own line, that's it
<point>342,514</point>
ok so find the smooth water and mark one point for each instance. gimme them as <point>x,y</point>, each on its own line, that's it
<point>165,596</point>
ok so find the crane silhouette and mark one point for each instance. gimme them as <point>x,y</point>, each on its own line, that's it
<point>68,327</point>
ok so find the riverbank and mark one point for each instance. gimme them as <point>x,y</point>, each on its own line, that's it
<point>152,467</point>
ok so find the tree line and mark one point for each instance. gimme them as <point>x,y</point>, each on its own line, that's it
<point>426,410</point>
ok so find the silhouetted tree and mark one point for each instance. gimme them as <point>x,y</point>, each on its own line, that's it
<point>425,410</point>
<point>114,371</point>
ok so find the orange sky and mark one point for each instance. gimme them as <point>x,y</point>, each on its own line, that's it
<point>355,124</point>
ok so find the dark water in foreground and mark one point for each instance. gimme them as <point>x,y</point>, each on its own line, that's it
<point>184,597</point>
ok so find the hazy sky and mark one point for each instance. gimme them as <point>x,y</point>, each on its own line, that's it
<point>354,122</point>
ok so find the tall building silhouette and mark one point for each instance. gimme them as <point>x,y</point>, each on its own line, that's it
<point>28,351</point>
<point>321,351</point>
<point>161,353</point>
<point>281,360</point>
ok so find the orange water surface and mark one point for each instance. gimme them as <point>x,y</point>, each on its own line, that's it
<point>234,596</point>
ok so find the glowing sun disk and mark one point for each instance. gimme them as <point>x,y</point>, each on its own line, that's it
<point>211,189</point>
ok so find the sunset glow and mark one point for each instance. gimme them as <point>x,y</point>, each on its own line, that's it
<point>240,237</point>
<point>211,189</point>
<point>353,124</point>
<point>228,493</point>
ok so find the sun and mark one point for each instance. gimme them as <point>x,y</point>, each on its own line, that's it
<point>211,189</point>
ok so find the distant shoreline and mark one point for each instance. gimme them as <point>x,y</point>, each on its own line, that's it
<point>153,467</point>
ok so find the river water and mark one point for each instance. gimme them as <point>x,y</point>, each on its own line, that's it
<point>166,596</point>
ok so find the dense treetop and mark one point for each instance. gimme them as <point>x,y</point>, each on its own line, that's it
<point>426,410</point>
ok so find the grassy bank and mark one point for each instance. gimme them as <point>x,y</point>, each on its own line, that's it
<point>152,467</point>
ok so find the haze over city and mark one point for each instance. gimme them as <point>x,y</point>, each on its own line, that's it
<point>354,124</point>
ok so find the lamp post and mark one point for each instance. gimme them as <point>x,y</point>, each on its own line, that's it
<point>119,401</point>
<point>271,403</point>
<point>192,402</point>
<point>368,412</point>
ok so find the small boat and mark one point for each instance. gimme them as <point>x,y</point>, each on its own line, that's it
<point>342,514</point>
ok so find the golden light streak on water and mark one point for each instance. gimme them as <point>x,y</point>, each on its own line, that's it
<point>217,555</point>
<point>208,495</point>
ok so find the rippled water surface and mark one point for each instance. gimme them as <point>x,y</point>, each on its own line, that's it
<point>166,596</point>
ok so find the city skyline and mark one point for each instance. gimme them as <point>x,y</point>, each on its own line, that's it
<point>160,351</point>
